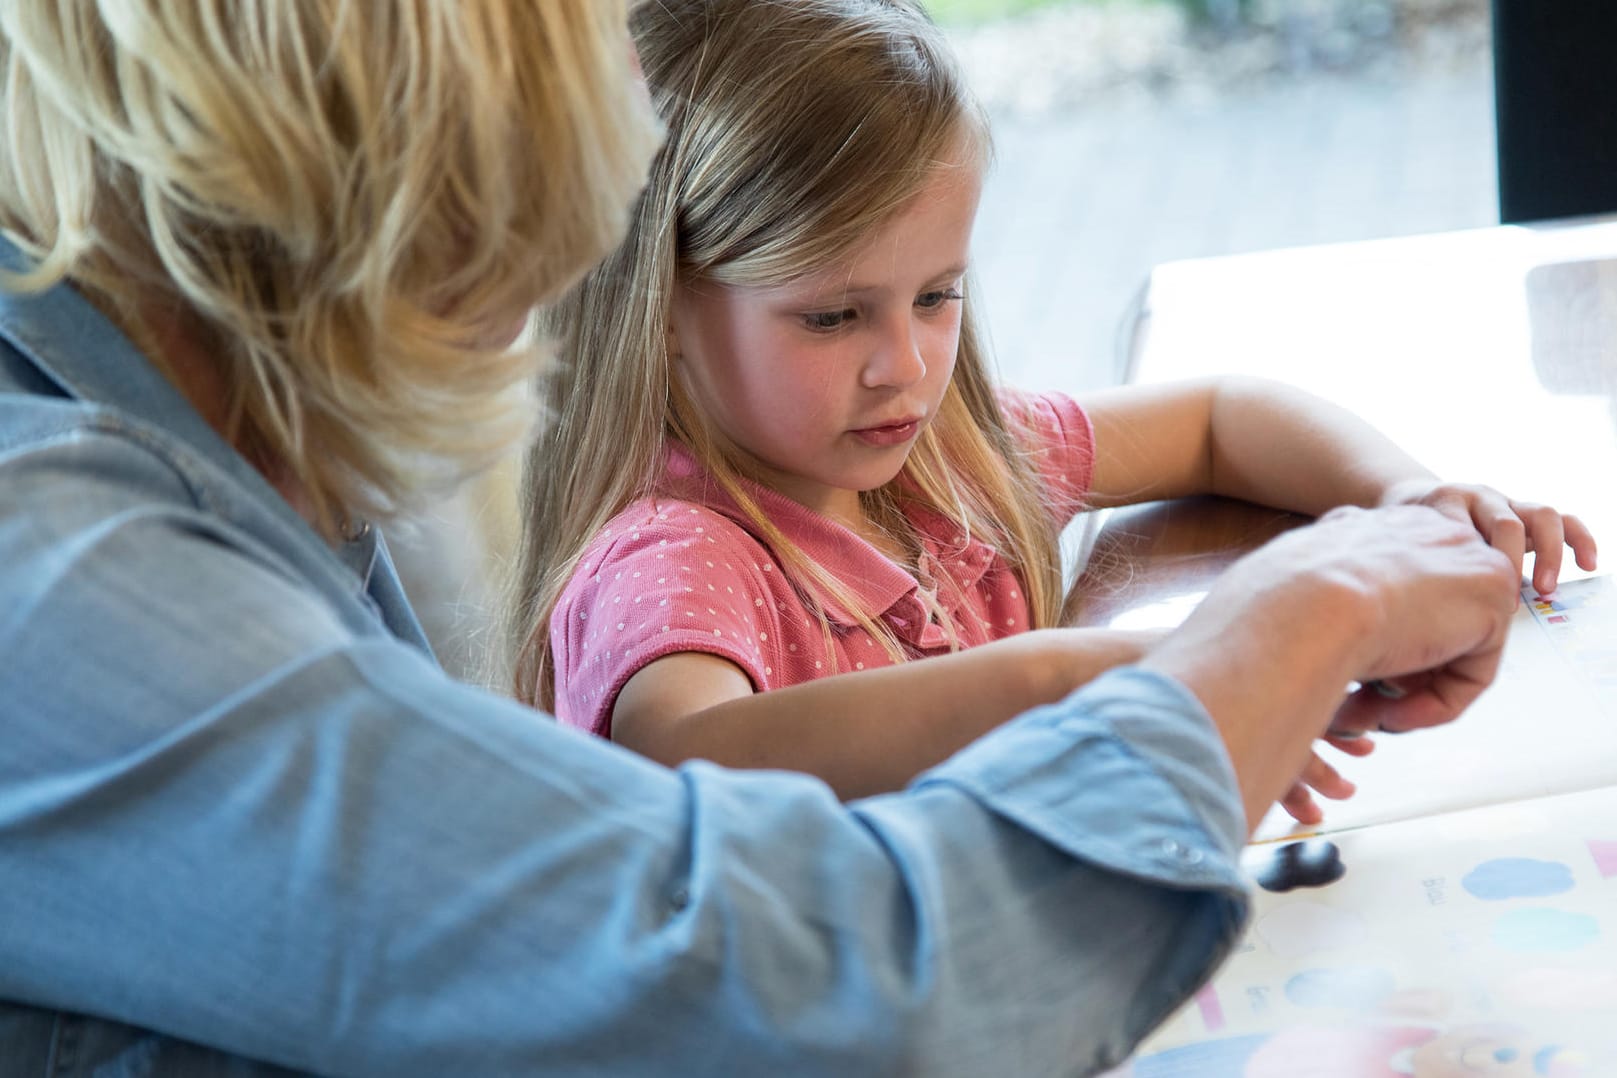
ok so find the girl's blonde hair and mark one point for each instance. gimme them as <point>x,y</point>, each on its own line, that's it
<point>794,129</point>
<point>347,200</point>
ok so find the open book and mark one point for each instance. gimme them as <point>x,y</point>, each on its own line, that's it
<point>1458,916</point>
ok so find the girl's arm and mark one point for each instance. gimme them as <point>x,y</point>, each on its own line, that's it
<point>1272,444</point>
<point>865,732</point>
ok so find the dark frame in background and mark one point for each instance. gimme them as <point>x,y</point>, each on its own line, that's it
<point>1555,107</point>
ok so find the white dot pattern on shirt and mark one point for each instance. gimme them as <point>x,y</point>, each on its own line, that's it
<point>742,629</point>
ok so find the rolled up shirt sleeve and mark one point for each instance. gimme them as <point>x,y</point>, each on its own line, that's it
<point>228,816</point>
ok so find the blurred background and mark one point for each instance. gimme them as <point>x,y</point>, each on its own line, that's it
<point>1130,133</point>
<point>1134,132</point>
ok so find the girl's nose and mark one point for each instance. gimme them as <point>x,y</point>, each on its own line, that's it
<point>897,361</point>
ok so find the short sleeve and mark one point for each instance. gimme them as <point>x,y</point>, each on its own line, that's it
<point>1061,440</point>
<point>661,578</point>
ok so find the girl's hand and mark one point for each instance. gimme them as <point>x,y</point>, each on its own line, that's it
<point>1321,778</point>
<point>1511,527</point>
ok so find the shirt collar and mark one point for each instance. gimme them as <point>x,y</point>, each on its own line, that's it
<point>88,358</point>
<point>81,351</point>
<point>880,587</point>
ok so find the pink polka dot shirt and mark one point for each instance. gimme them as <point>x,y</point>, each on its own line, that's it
<point>681,571</point>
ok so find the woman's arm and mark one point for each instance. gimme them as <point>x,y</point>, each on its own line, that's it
<point>865,732</point>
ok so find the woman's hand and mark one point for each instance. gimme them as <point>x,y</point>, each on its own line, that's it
<point>1407,601</point>
<point>1514,528</point>
<point>1319,777</point>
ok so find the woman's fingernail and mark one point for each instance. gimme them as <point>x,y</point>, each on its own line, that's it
<point>1386,689</point>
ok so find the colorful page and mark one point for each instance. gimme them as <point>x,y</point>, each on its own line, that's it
<point>1548,725</point>
<point>1481,942</point>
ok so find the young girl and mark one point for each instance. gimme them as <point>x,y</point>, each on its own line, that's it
<point>778,467</point>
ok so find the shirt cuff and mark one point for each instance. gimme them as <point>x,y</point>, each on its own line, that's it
<point>1128,774</point>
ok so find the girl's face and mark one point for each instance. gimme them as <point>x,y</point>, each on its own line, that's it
<point>826,382</point>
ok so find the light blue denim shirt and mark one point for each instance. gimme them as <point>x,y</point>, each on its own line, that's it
<point>245,816</point>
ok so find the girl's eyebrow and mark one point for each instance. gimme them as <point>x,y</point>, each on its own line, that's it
<point>958,269</point>
<point>854,289</point>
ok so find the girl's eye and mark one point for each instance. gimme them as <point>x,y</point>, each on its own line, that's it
<point>828,320</point>
<point>933,300</point>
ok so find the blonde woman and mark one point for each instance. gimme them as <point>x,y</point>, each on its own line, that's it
<point>820,481</point>
<point>262,261</point>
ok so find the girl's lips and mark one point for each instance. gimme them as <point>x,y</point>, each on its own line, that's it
<point>892,434</point>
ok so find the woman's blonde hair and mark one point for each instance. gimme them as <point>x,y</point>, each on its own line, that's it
<point>794,129</point>
<point>348,200</point>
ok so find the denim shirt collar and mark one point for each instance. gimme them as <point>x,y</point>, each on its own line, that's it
<point>87,358</point>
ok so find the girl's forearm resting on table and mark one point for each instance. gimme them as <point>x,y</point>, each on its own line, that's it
<point>865,732</point>
<point>1283,447</point>
<point>1243,438</point>
<point>1268,443</point>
